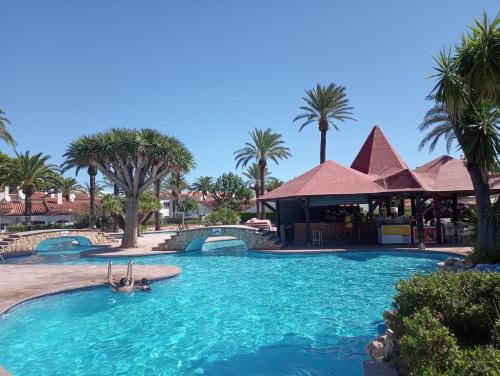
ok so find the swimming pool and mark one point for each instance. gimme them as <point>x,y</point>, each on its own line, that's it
<point>243,314</point>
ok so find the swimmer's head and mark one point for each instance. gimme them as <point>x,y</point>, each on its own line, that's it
<point>145,282</point>
<point>123,282</point>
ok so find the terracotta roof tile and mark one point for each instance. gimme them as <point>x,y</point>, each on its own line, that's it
<point>329,178</point>
<point>43,204</point>
<point>447,174</point>
<point>377,156</point>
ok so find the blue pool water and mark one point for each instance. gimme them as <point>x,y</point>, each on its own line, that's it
<point>240,314</point>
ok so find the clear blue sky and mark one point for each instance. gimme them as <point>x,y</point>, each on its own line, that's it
<point>207,72</point>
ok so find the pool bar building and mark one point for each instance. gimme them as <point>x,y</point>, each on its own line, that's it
<point>378,199</point>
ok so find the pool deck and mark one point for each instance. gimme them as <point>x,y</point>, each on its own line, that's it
<point>435,248</point>
<point>25,282</point>
<point>145,249</point>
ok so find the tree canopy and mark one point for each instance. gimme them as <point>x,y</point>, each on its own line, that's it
<point>466,100</point>
<point>230,191</point>
<point>328,105</point>
<point>133,159</point>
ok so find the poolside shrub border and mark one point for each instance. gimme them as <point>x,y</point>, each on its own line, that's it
<point>446,324</point>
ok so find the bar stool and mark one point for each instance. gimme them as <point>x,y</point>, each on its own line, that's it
<point>317,237</point>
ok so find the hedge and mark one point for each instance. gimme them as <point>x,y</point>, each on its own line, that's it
<point>448,324</point>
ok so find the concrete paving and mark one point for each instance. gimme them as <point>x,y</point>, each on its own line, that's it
<point>24,282</point>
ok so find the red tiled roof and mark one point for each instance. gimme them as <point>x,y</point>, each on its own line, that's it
<point>329,178</point>
<point>45,204</point>
<point>405,180</point>
<point>447,174</point>
<point>377,156</point>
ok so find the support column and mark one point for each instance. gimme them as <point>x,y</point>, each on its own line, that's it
<point>455,209</point>
<point>307,211</point>
<point>371,208</point>
<point>413,208</point>
<point>401,207</point>
<point>437,214</point>
<point>278,220</point>
<point>388,206</point>
<point>420,222</point>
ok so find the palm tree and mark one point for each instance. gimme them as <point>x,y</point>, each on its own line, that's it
<point>175,182</point>
<point>439,120</point>
<point>81,161</point>
<point>467,97</point>
<point>202,185</point>
<point>273,183</point>
<point>132,159</point>
<point>4,134</point>
<point>327,105</point>
<point>66,186</point>
<point>265,145</point>
<point>28,172</point>
<point>252,173</point>
<point>98,189</point>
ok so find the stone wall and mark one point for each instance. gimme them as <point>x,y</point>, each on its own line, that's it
<point>252,238</point>
<point>26,242</point>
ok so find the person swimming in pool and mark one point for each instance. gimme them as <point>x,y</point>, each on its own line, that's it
<point>145,286</point>
<point>126,283</point>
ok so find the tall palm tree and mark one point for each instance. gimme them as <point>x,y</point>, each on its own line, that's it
<point>4,134</point>
<point>133,159</point>
<point>252,174</point>
<point>326,105</point>
<point>202,185</point>
<point>84,161</point>
<point>265,145</point>
<point>66,186</point>
<point>29,173</point>
<point>175,183</point>
<point>467,97</point>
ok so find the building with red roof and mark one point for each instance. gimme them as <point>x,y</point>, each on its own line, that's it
<point>46,207</point>
<point>322,199</point>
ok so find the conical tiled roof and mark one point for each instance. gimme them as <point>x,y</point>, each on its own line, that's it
<point>377,156</point>
<point>329,178</point>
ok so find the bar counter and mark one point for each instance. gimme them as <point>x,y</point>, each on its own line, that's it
<point>363,232</point>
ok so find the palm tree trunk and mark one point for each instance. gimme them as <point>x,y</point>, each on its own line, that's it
<point>262,168</point>
<point>116,193</point>
<point>323,127</point>
<point>92,173</point>
<point>157,213</point>
<point>28,206</point>
<point>129,239</point>
<point>488,231</point>
<point>257,203</point>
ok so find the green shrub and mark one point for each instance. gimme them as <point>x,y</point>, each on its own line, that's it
<point>224,215</point>
<point>427,345</point>
<point>465,302</point>
<point>476,361</point>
